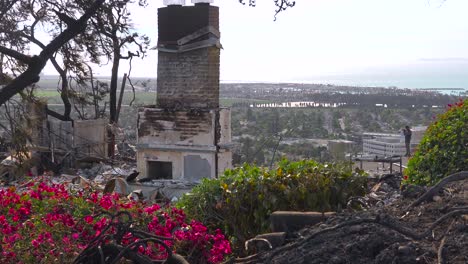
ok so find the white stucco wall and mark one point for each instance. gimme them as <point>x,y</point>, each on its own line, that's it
<point>225,123</point>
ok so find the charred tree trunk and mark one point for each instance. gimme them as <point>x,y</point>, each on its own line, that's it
<point>2,78</point>
<point>122,90</point>
<point>113,85</point>
<point>113,96</point>
<point>65,91</point>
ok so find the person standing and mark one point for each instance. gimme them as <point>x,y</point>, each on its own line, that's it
<point>407,132</point>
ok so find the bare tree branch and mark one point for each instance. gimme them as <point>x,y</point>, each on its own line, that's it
<point>15,54</point>
<point>37,63</point>
<point>54,114</point>
<point>130,80</point>
<point>5,6</point>
<point>283,5</point>
<point>66,19</point>
<point>280,4</point>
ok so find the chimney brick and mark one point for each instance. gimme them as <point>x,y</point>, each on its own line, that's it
<point>188,79</point>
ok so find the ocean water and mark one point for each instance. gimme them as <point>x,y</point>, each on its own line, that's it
<point>430,81</point>
<point>442,76</point>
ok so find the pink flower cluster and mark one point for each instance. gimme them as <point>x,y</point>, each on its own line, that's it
<point>457,104</point>
<point>42,222</point>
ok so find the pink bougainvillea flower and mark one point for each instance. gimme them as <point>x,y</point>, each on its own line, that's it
<point>88,219</point>
<point>44,220</point>
<point>35,243</point>
<point>75,236</point>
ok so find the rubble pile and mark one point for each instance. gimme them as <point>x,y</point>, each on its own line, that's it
<point>108,178</point>
<point>390,227</point>
<point>391,224</point>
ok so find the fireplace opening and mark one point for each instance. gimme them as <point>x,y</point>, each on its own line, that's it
<point>159,170</point>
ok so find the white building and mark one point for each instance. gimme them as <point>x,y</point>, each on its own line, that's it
<point>385,146</point>
<point>390,144</point>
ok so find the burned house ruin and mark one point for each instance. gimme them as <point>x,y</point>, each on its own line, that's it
<point>186,136</point>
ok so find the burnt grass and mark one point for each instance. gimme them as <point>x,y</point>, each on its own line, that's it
<point>371,242</point>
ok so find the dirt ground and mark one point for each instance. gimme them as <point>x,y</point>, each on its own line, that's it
<point>386,232</point>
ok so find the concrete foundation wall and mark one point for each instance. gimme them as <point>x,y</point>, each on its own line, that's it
<point>81,138</point>
<point>90,137</point>
<point>38,124</point>
<point>224,161</point>
<point>60,134</point>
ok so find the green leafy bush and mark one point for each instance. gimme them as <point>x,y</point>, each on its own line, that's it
<point>443,149</point>
<point>240,201</point>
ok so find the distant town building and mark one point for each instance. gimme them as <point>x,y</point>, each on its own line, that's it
<point>384,144</point>
<point>339,148</point>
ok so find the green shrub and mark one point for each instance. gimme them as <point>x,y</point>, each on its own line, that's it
<point>443,149</point>
<point>240,201</point>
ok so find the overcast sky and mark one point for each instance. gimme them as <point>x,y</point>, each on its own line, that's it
<point>320,37</point>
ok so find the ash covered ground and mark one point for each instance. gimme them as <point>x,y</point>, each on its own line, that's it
<point>387,229</point>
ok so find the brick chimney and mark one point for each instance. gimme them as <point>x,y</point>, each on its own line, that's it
<point>187,136</point>
<point>188,60</point>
